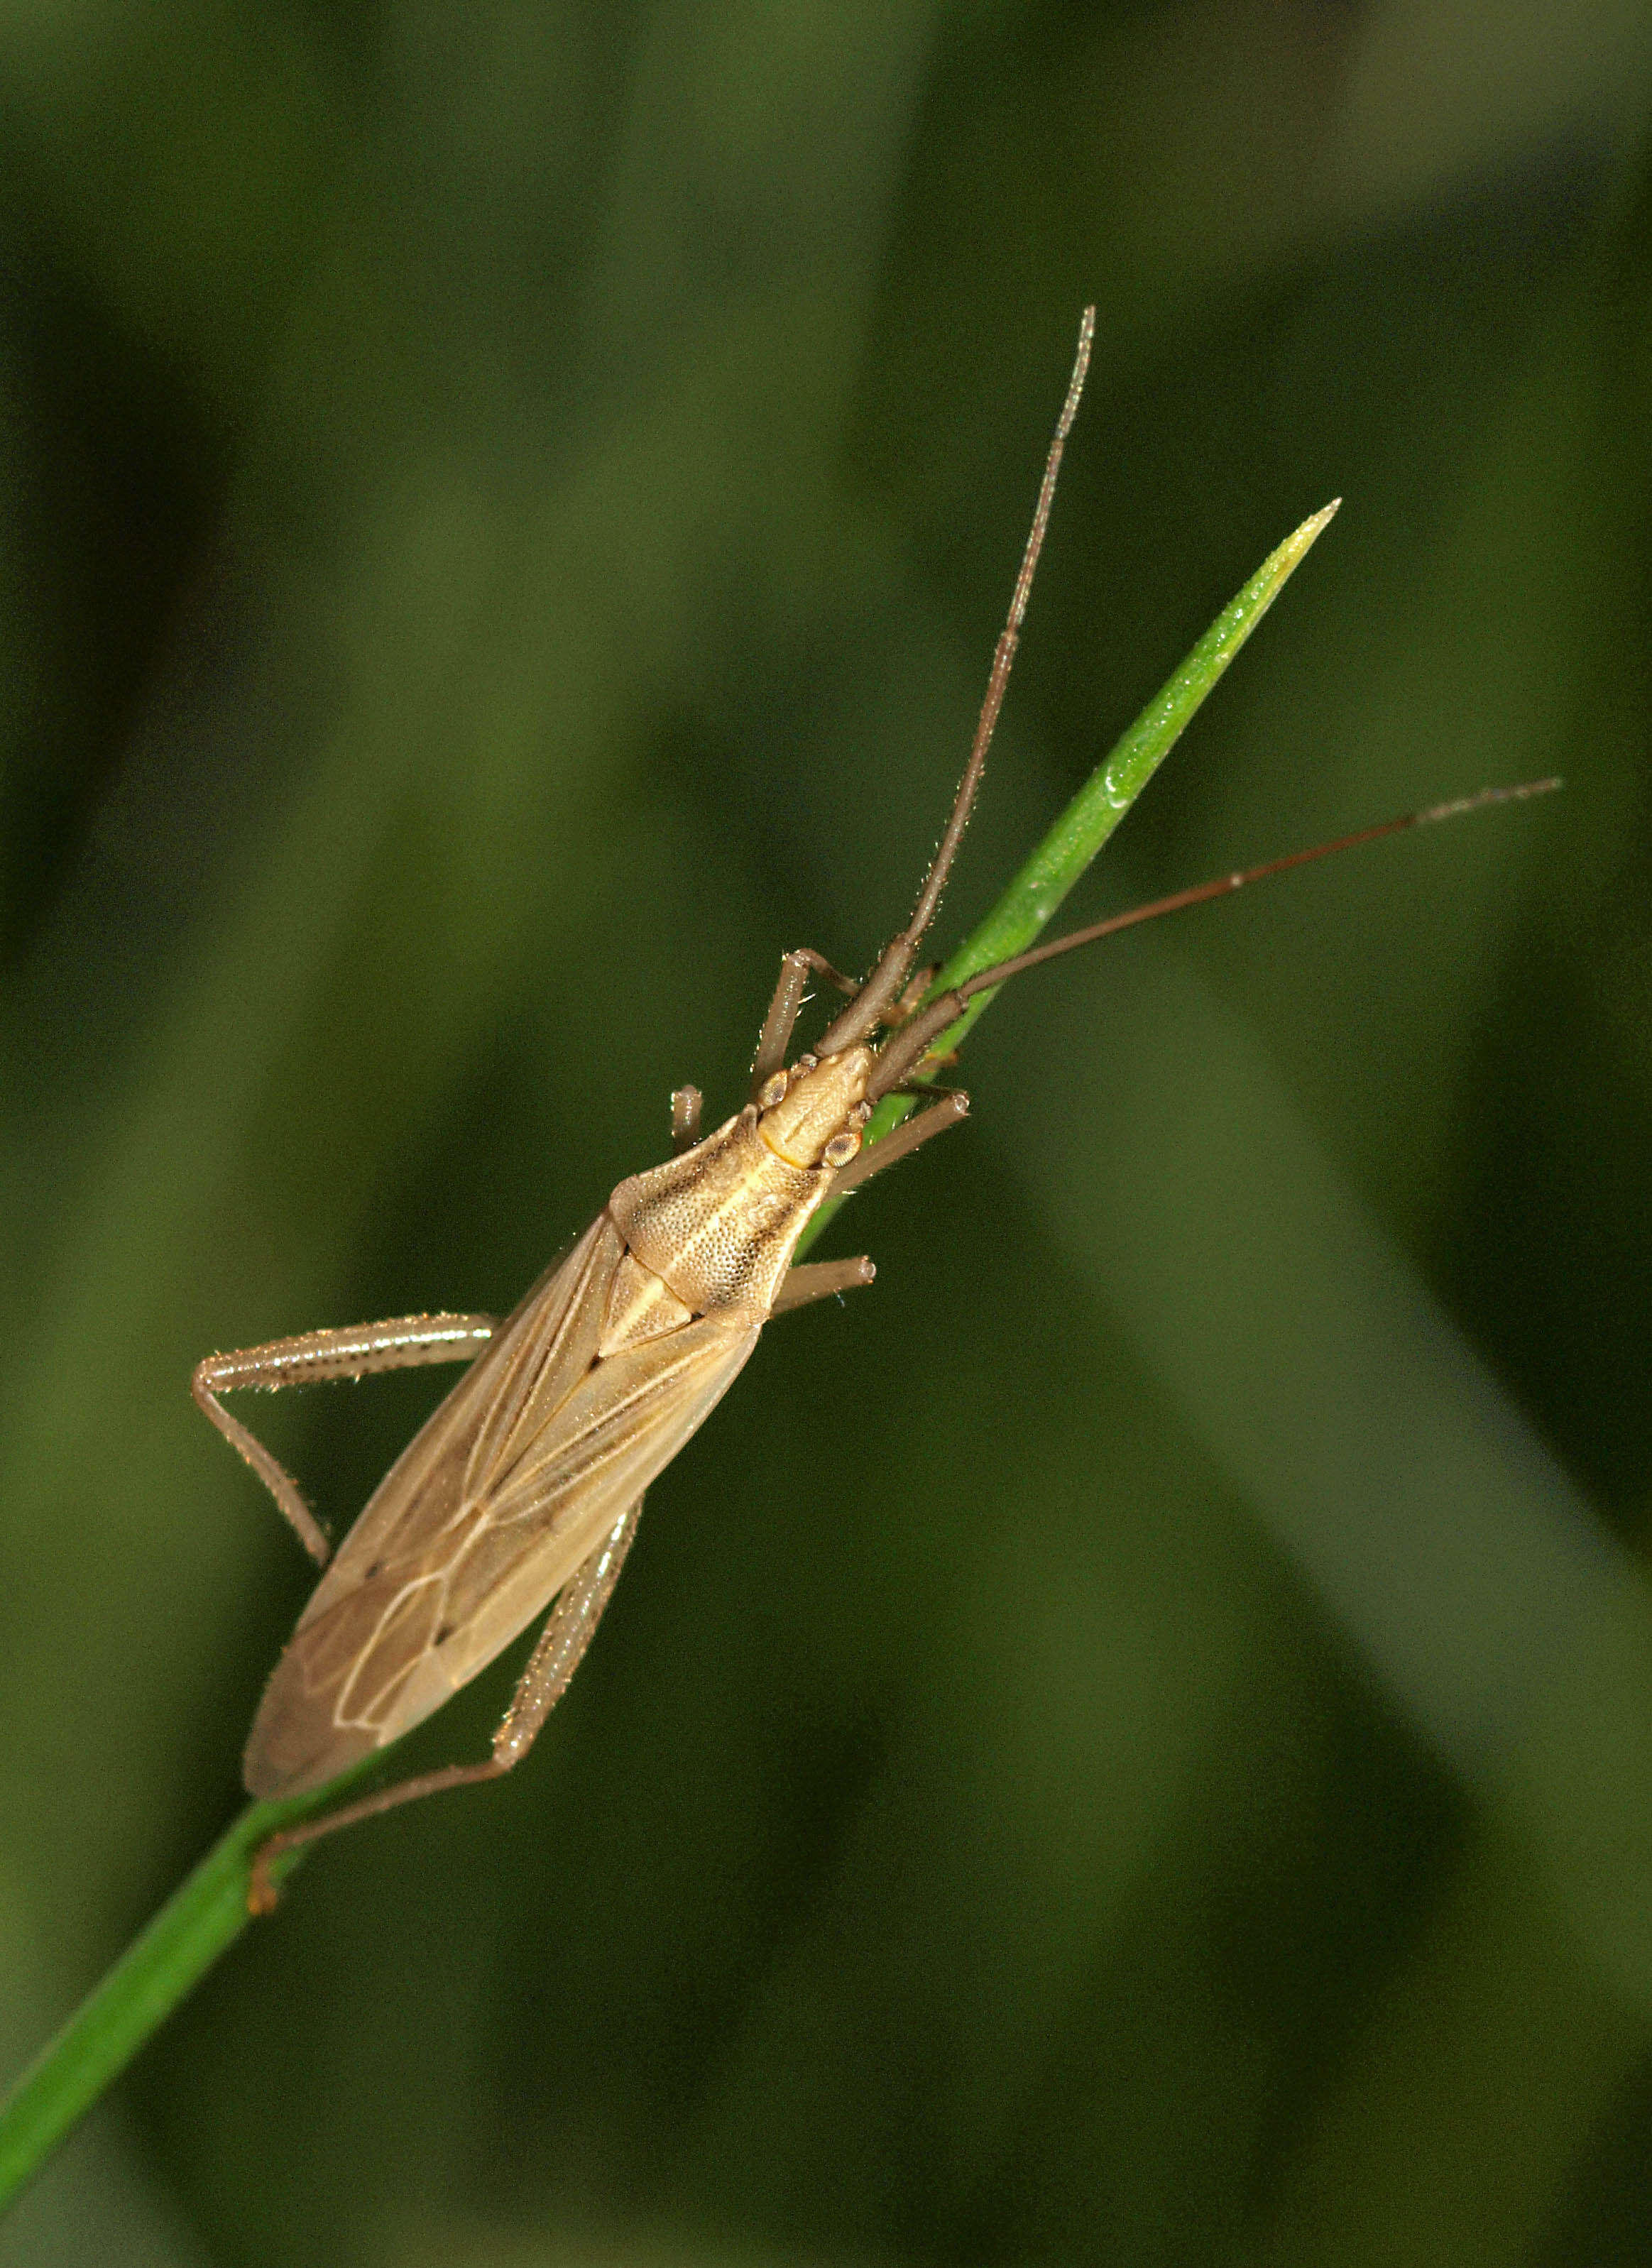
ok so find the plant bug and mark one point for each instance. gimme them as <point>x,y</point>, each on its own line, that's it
<point>523,1490</point>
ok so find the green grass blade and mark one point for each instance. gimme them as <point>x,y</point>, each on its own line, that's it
<point>207,1912</point>
<point>201,1919</point>
<point>1089,822</point>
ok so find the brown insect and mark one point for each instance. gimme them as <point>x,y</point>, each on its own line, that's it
<point>524,1487</point>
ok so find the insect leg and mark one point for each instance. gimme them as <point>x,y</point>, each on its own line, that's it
<point>312,1358</point>
<point>930,1089</point>
<point>558,1654</point>
<point>820,1279</point>
<point>953,1107</point>
<point>913,999</point>
<point>778,1024</point>
<point>685,1117</point>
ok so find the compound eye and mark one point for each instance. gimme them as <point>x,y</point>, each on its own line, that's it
<point>843,1147</point>
<point>773,1091</point>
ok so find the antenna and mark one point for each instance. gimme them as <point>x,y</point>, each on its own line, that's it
<point>862,1017</point>
<point>903,1053</point>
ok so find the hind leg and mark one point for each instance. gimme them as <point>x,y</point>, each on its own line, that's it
<point>561,1647</point>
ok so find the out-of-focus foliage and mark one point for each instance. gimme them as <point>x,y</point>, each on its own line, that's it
<point>1131,1741</point>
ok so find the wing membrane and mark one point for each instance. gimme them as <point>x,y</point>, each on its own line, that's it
<point>492,1507</point>
<point>619,1429</point>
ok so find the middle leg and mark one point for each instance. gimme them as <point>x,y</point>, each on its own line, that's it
<point>820,1279</point>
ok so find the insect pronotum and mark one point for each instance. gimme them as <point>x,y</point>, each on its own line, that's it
<point>522,1490</point>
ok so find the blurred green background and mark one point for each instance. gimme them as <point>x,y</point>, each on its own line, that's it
<point>1130,1742</point>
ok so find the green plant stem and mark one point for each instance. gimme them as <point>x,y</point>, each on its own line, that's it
<point>1087,822</point>
<point>207,1912</point>
<point>201,1919</point>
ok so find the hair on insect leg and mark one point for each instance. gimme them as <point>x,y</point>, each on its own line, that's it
<point>314,1358</point>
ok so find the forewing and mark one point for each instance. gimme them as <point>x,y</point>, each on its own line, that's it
<point>534,1363</point>
<point>436,1596</point>
<point>386,1586</point>
<point>619,1429</point>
